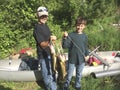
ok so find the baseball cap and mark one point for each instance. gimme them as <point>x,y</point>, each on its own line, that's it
<point>42,11</point>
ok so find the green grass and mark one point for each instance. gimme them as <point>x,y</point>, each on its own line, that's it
<point>4,85</point>
<point>88,83</point>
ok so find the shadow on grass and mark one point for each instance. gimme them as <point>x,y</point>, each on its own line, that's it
<point>41,84</point>
<point>4,88</point>
<point>116,81</point>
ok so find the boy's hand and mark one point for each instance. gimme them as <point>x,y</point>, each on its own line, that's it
<point>65,34</point>
<point>53,38</point>
<point>86,58</point>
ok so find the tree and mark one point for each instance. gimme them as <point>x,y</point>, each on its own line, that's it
<point>18,17</point>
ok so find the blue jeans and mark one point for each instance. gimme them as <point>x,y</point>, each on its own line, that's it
<point>46,70</point>
<point>79,69</point>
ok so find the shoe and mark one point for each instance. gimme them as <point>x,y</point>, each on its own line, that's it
<point>78,88</point>
<point>65,88</point>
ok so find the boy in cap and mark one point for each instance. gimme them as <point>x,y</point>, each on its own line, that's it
<point>42,36</point>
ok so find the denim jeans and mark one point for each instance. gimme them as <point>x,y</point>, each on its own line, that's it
<point>79,69</point>
<point>46,70</point>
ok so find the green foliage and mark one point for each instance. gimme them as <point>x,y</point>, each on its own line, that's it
<point>18,17</point>
<point>104,35</point>
<point>105,83</point>
<point>6,40</point>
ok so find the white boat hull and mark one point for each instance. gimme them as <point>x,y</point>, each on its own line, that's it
<point>20,75</point>
<point>9,70</point>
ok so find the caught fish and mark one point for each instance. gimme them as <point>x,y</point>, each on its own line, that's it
<point>58,62</point>
<point>53,57</point>
<point>61,60</point>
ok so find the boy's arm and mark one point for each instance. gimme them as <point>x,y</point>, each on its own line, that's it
<point>45,44</point>
<point>65,42</point>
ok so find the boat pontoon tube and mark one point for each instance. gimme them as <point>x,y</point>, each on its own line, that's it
<point>105,73</point>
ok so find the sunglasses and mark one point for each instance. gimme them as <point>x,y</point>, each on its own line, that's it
<point>41,10</point>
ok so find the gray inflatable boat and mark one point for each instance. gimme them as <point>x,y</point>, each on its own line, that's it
<point>27,70</point>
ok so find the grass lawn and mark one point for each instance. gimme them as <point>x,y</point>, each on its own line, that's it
<point>88,83</point>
